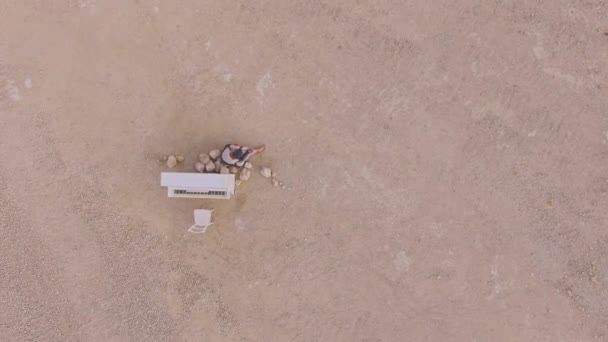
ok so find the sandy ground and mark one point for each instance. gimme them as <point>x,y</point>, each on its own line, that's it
<point>448,165</point>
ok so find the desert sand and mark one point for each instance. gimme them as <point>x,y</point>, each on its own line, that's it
<point>446,164</point>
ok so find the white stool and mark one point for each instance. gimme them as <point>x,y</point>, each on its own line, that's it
<point>202,220</point>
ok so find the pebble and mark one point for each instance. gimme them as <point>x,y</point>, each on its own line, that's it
<point>275,183</point>
<point>244,175</point>
<point>237,182</point>
<point>218,164</point>
<point>200,167</point>
<point>224,170</point>
<point>171,161</point>
<point>248,165</point>
<point>180,158</point>
<point>234,170</point>
<point>266,172</point>
<point>215,154</point>
<point>204,158</point>
<point>210,167</point>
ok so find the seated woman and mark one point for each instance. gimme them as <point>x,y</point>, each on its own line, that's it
<point>237,155</point>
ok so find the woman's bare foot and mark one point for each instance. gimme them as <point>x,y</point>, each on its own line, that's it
<point>258,149</point>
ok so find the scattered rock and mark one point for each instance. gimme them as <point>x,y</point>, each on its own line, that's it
<point>218,165</point>
<point>237,182</point>
<point>244,175</point>
<point>200,167</point>
<point>224,170</point>
<point>248,165</point>
<point>234,170</point>
<point>180,158</point>
<point>277,183</point>
<point>171,161</point>
<point>204,158</point>
<point>210,167</point>
<point>266,172</point>
<point>215,154</point>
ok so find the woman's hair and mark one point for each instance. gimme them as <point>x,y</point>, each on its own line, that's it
<point>241,153</point>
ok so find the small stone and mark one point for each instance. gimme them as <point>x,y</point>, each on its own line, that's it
<point>218,164</point>
<point>204,158</point>
<point>200,167</point>
<point>275,183</point>
<point>244,175</point>
<point>215,154</point>
<point>248,165</point>
<point>171,161</point>
<point>224,170</point>
<point>234,170</point>
<point>210,167</point>
<point>180,158</point>
<point>266,172</point>
<point>237,182</point>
